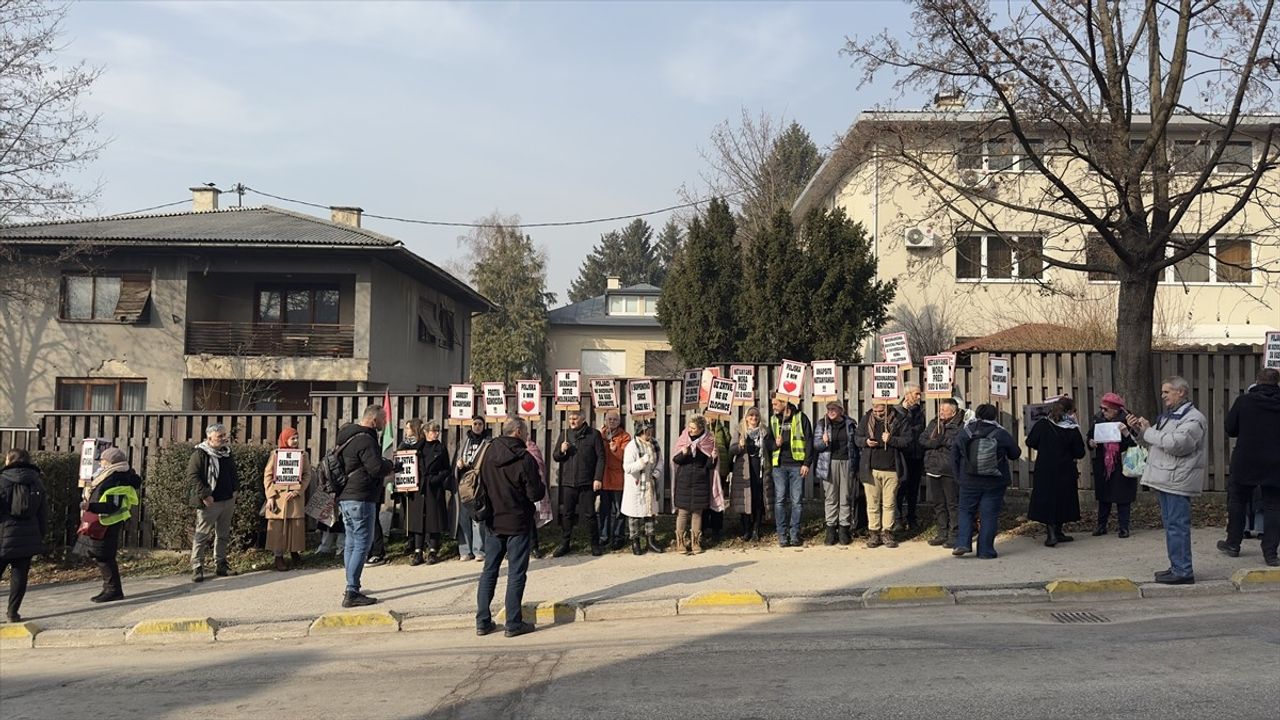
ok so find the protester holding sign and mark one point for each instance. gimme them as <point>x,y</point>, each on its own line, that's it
<point>912,410</point>
<point>111,496</point>
<point>1055,494</point>
<point>284,509</point>
<point>426,513</point>
<point>882,436</point>
<point>792,457</point>
<point>695,486</point>
<point>752,469</point>
<point>612,522</point>
<point>580,453</point>
<point>470,534</point>
<point>937,441</point>
<point>1110,486</point>
<point>833,441</point>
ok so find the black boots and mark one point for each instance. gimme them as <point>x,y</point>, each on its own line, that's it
<point>1062,535</point>
<point>561,550</point>
<point>652,544</point>
<point>416,559</point>
<point>846,536</point>
<point>831,535</point>
<point>1052,539</point>
<point>637,548</point>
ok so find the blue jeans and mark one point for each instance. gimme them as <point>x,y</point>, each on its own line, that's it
<point>985,502</point>
<point>612,523</point>
<point>1175,513</point>
<point>787,485</point>
<point>469,533</point>
<point>515,548</point>
<point>358,517</point>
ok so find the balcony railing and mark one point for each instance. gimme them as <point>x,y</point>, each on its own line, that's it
<point>273,339</point>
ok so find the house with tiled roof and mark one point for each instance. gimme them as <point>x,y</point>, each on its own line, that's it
<point>616,334</point>
<point>221,309</point>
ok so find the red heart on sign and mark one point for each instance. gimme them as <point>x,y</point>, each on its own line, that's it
<point>789,386</point>
<point>527,405</point>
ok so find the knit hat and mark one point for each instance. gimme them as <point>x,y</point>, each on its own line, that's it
<point>1113,400</point>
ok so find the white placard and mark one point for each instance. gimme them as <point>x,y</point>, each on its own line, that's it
<point>895,349</point>
<point>884,383</point>
<point>604,394</point>
<point>288,467</point>
<point>1107,432</point>
<point>791,380</point>
<point>568,390</point>
<point>1271,351</point>
<point>529,399</point>
<point>744,384</point>
<point>720,399</point>
<point>689,388</point>
<point>640,398</point>
<point>937,376</point>
<point>462,404</point>
<point>825,385</point>
<point>999,370</point>
<point>88,459</point>
<point>406,471</point>
<point>495,401</point>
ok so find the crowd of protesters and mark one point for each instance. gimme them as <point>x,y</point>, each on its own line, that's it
<point>611,481</point>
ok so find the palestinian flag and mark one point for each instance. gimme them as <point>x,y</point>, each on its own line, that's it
<point>388,430</point>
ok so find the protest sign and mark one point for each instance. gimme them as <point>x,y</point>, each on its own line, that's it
<point>90,451</point>
<point>720,399</point>
<point>406,479</point>
<point>825,386</point>
<point>1271,352</point>
<point>704,385</point>
<point>495,401</point>
<point>529,399</point>
<point>689,388</point>
<point>937,376</point>
<point>999,371</point>
<point>568,390</point>
<point>744,384</point>
<point>462,404</point>
<point>640,398</point>
<point>604,394</point>
<point>791,380</point>
<point>895,349</point>
<point>321,506</point>
<point>288,468</point>
<point>884,384</point>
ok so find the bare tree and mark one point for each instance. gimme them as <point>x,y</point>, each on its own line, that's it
<point>1119,119</point>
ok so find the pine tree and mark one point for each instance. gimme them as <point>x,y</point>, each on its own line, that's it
<point>665,249</point>
<point>847,302</point>
<point>776,277</point>
<point>699,303</point>
<point>628,254</point>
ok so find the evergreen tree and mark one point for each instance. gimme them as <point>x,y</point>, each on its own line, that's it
<point>628,253</point>
<point>792,160</point>
<point>509,342</point>
<point>847,302</point>
<point>665,249</point>
<point>776,277</point>
<point>699,303</point>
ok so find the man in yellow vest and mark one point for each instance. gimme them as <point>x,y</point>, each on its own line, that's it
<point>792,448</point>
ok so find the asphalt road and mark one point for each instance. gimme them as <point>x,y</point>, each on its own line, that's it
<point>1168,659</point>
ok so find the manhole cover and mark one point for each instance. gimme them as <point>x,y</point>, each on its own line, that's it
<point>1079,617</point>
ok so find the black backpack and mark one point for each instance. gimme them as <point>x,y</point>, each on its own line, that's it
<point>982,455</point>
<point>25,500</point>
<point>333,472</point>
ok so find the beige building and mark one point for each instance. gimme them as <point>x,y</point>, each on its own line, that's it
<point>212,309</point>
<point>994,276</point>
<point>612,335</point>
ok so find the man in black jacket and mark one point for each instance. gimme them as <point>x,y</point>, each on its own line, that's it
<point>937,441</point>
<point>211,475</point>
<point>1255,462</point>
<point>912,409</point>
<point>366,469</point>
<point>513,483</point>
<point>580,454</point>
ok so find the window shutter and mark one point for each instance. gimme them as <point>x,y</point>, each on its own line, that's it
<point>135,294</point>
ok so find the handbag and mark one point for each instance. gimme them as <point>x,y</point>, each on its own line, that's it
<point>1134,462</point>
<point>91,527</point>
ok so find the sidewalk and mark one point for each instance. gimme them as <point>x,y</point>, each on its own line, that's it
<point>449,588</point>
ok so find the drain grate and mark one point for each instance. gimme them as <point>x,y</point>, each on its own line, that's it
<point>1080,617</point>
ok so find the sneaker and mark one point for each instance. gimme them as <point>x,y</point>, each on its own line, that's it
<point>888,541</point>
<point>960,551</point>
<point>108,597</point>
<point>873,540</point>
<point>1228,549</point>
<point>374,560</point>
<point>197,575</point>
<point>356,599</point>
<point>1273,561</point>
<point>486,628</point>
<point>936,541</point>
<point>521,629</point>
<point>1172,579</point>
<point>469,557</point>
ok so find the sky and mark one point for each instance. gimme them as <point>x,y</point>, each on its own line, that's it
<point>549,111</point>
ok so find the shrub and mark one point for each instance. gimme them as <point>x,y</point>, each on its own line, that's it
<point>60,472</point>
<point>169,493</point>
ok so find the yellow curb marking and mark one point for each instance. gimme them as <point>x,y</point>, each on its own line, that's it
<point>901,593</point>
<point>722,598</point>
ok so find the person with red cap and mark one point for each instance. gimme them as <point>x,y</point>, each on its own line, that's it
<point>1110,486</point>
<point>286,505</point>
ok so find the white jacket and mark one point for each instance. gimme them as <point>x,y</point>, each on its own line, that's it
<point>642,476</point>
<point>1176,459</point>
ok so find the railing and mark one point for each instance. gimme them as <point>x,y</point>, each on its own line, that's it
<point>273,339</point>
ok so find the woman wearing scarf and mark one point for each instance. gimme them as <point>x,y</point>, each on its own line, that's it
<point>1055,498</point>
<point>641,465</point>
<point>697,484</point>
<point>111,494</point>
<point>542,513</point>
<point>212,474</point>
<point>426,511</point>
<point>1110,486</point>
<point>747,495</point>
<point>285,508</point>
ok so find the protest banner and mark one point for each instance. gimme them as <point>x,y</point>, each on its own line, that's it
<point>1034,413</point>
<point>895,349</point>
<point>288,468</point>
<point>495,401</point>
<point>704,385</point>
<point>744,384</point>
<point>937,376</point>
<point>720,399</point>
<point>790,380</point>
<point>1271,352</point>
<point>568,390</point>
<point>462,404</point>
<point>999,371</point>
<point>825,385</point>
<point>604,394</point>
<point>529,399</point>
<point>640,398</point>
<point>406,477</point>
<point>90,451</point>
<point>321,506</point>
<point>689,388</point>
<point>884,384</point>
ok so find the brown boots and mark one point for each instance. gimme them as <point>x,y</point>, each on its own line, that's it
<point>685,519</point>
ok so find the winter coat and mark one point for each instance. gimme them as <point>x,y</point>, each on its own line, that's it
<point>1007,449</point>
<point>937,441</point>
<point>285,509</point>
<point>751,463</point>
<point>900,440</point>
<point>106,548</point>
<point>427,510</point>
<point>614,447</point>
<point>914,427</point>
<point>642,484</point>
<point>1253,420</point>
<point>22,537</point>
<point>1113,488</point>
<point>198,477</point>
<point>1055,492</point>
<point>1176,458</point>
<point>583,464</point>
<point>694,473</point>
<point>511,479</point>
<point>823,450</point>
<point>365,466</point>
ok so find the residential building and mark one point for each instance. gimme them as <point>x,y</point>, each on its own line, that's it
<point>220,309</point>
<point>616,334</point>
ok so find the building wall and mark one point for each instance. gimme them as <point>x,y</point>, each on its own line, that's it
<point>565,344</point>
<point>396,356</point>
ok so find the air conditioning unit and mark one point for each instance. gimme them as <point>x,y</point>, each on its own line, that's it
<point>921,236</point>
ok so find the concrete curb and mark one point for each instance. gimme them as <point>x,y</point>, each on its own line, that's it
<point>264,631</point>
<point>815,603</point>
<point>546,612</point>
<point>723,602</point>
<point>1256,580</point>
<point>1093,590</point>
<point>907,596</point>
<point>355,621</point>
<point>1001,595</point>
<point>81,638</point>
<point>18,636</point>
<point>169,631</point>
<point>630,609</point>
<point>422,623</point>
<point>1211,587</point>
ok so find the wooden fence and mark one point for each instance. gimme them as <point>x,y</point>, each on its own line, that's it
<point>1216,378</point>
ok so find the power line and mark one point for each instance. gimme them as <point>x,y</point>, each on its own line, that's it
<point>443,223</point>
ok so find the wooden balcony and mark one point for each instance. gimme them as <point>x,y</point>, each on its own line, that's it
<point>270,339</point>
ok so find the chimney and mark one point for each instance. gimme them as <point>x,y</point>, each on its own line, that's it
<point>204,197</point>
<point>953,100</point>
<point>613,282</point>
<point>349,216</point>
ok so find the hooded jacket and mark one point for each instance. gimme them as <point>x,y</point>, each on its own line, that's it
<point>510,477</point>
<point>22,537</point>
<point>1253,420</point>
<point>364,464</point>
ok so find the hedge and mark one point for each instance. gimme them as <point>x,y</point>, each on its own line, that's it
<point>60,473</point>
<point>168,496</point>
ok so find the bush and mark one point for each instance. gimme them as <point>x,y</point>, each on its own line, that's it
<point>60,472</point>
<point>169,493</point>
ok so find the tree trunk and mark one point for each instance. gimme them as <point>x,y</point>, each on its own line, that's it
<point>1134,377</point>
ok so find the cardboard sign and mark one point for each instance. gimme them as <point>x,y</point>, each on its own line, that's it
<point>720,399</point>
<point>529,399</point>
<point>406,471</point>
<point>1271,351</point>
<point>288,468</point>
<point>791,380</point>
<point>937,376</point>
<point>999,377</point>
<point>604,394</point>
<point>495,401</point>
<point>704,385</point>
<point>825,386</point>
<point>568,390</point>
<point>895,349</point>
<point>689,389</point>
<point>91,450</point>
<point>322,507</point>
<point>744,384</point>
<point>462,404</point>
<point>1032,414</point>
<point>640,398</point>
<point>884,383</point>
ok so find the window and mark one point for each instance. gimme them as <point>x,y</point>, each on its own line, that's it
<point>604,362</point>
<point>1224,259</point>
<point>101,394</point>
<point>119,298</point>
<point>1189,156</point>
<point>298,305</point>
<point>997,257</point>
<point>1004,154</point>
<point>1098,252</point>
<point>428,324</point>
<point>448,328</point>
<point>635,305</point>
<point>1237,157</point>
